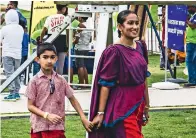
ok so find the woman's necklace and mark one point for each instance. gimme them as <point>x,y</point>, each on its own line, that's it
<point>129,46</point>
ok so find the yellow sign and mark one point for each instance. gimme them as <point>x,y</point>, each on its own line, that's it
<point>41,9</point>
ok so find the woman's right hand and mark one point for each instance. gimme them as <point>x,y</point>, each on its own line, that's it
<point>97,121</point>
<point>55,119</point>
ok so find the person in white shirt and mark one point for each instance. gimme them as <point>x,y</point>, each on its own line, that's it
<point>11,38</point>
<point>53,25</point>
<point>82,41</point>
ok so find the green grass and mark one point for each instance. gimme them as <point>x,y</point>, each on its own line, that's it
<point>168,124</point>
<point>158,75</point>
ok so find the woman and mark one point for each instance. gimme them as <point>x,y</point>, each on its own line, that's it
<point>120,95</point>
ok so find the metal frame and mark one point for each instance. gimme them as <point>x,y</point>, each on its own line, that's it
<point>125,2</point>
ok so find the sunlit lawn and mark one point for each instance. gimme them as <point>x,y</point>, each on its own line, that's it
<point>168,124</point>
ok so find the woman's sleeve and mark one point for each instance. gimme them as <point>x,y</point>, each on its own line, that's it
<point>145,51</point>
<point>110,67</point>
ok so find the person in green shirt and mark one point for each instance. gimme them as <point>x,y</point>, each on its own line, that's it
<point>191,47</point>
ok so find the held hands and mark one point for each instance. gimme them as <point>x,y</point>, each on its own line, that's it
<point>87,124</point>
<point>55,119</point>
<point>97,121</point>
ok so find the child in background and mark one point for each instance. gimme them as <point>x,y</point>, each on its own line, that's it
<point>11,38</point>
<point>25,44</point>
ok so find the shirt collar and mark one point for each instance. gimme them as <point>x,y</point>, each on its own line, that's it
<point>41,74</point>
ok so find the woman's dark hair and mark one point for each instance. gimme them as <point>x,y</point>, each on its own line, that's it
<point>121,18</point>
<point>45,46</point>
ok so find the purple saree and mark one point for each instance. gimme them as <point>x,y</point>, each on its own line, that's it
<point>126,68</point>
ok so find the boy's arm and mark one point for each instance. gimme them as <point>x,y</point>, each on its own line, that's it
<point>1,35</point>
<point>46,25</point>
<point>88,126</point>
<point>43,33</point>
<point>31,95</point>
<point>191,25</point>
<point>32,108</point>
<point>2,20</point>
<point>77,106</point>
<point>55,119</point>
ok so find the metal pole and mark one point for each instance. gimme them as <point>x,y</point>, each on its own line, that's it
<point>175,60</point>
<point>148,39</point>
<point>151,39</point>
<point>166,42</point>
<point>110,31</point>
<point>29,46</point>
<point>69,56</point>
<point>155,42</point>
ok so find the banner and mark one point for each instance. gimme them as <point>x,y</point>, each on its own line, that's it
<point>41,9</point>
<point>177,15</point>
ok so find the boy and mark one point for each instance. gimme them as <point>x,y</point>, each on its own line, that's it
<point>46,97</point>
<point>11,38</point>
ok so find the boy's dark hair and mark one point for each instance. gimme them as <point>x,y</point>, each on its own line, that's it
<point>60,7</point>
<point>45,46</point>
<point>84,18</point>
<point>15,3</point>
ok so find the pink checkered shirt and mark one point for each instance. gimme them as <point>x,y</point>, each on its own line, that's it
<point>38,90</point>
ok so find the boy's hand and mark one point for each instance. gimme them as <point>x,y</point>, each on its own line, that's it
<point>55,119</point>
<point>87,124</point>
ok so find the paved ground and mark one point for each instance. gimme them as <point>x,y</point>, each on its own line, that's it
<point>158,98</point>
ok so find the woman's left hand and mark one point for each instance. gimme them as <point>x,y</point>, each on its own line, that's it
<point>146,114</point>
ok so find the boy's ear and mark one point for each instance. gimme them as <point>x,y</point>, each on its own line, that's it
<point>37,59</point>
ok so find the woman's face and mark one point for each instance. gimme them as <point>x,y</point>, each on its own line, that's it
<point>130,27</point>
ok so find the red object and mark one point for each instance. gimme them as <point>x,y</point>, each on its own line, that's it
<point>48,134</point>
<point>133,123</point>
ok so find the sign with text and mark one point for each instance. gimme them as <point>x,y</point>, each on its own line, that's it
<point>177,15</point>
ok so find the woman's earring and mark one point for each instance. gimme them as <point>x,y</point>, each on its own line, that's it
<point>121,33</point>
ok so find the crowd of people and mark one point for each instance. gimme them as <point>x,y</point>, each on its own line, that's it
<point>189,56</point>
<point>14,38</point>
<point>14,18</point>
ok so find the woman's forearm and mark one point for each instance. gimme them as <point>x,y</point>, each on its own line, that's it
<point>104,93</point>
<point>146,95</point>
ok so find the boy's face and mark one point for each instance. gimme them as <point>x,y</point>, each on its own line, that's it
<point>47,60</point>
